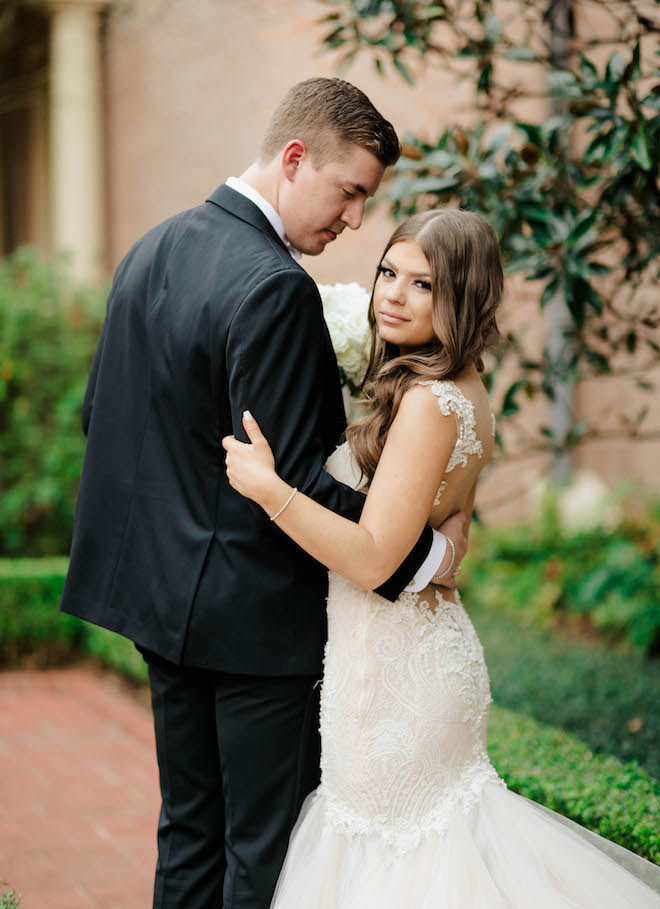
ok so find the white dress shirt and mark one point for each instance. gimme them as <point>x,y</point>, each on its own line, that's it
<point>240,186</point>
<point>439,545</point>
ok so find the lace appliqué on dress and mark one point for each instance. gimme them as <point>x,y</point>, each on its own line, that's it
<point>451,399</point>
<point>404,714</point>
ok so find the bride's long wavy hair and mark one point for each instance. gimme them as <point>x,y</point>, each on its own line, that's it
<point>462,250</point>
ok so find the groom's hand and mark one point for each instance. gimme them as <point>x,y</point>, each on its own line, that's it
<point>454,528</point>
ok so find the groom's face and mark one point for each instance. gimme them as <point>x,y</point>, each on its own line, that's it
<point>316,204</point>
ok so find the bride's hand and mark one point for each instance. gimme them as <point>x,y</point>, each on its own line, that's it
<point>250,467</point>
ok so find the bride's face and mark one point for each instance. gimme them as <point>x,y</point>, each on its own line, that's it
<point>403,297</point>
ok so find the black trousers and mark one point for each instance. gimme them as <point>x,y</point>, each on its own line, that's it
<point>237,755</point>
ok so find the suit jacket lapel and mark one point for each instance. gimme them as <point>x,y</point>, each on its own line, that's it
<point>243,208</point>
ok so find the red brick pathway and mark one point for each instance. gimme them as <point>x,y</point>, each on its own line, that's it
<point>79,794</point>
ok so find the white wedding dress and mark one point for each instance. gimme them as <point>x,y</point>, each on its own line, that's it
<point>410,813</point>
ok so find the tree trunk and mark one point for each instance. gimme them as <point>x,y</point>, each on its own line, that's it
<point>559,324</point>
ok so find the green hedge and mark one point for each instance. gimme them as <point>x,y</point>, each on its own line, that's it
<point>31,623</point>
<point>48,335</point>
<point>607,696</point>
<point>617,800</point>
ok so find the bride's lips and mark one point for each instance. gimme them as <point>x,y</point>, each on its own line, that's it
<point>391,319</point>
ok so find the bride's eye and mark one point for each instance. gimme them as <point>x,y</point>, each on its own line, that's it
<point>425,285</point>
<point>386,272</point>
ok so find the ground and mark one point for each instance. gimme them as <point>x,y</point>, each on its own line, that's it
<point>79,796</point>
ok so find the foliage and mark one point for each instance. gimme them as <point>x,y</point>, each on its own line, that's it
<point>543,576</point>
<point>10,899</point>
<point>31,624</point>
<point>574,196</point>
<point>48,334</point>
<point>618,801</point>
<point>30,590</point>
<point>606,696</point>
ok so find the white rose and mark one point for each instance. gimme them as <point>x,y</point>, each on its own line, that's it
<point>345,307</point>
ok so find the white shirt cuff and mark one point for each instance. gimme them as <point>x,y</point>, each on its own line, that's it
<point>431,563</point>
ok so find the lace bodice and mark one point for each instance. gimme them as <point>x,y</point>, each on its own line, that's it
<point>405,696</point>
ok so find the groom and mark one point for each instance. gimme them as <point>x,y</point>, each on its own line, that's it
<point>209,315</point>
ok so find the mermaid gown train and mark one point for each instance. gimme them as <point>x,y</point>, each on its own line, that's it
<point>410,812</point>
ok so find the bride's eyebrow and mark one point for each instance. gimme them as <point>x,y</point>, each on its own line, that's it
<point>417,274</point>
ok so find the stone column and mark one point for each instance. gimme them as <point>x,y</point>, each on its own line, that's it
<point>76,171</point>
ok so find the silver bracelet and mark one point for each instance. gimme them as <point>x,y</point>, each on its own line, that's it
<point>451,563</point>
<point>295,490</point>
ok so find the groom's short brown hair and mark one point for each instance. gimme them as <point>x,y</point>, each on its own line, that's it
<point>326,114</point>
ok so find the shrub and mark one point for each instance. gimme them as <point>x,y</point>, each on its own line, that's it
<point>48,334</point>
<point>10,899</point>
<point>31,623</point>
<point>606,696</point>
<point>30,591</point>
<point>542,576</point>
<point>618,801</point>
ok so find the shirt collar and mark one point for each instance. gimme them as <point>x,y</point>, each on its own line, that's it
<point>240,186</point>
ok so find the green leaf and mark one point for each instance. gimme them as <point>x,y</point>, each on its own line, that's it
<point>439,158</point>
<point>537,213</point>
<point>549,291</point>
<point>574,299</point>
<point>640,150</point>
<point>434,184</point>
<point>653,98</point>
<point>541,272</point>
<point>542,234</point>
<point>582,226</point>
<point>523,262</point>
<point>533,133</point>
<point>521,52</point>
<point>433,12</point>
<point>563,83</point>
<point>509,404</point>
<point>598,360</point>
<point>403,70</point>
<point>483,84</point>
<point>598,148</point>
<point>615,69</point>
<point>492,28</point>
<point>633,70</point>
<point>588,70</point>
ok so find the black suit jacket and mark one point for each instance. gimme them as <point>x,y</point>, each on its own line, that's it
<point>208,316</point>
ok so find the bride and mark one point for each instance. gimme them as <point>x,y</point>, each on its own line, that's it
<point>410,812</point>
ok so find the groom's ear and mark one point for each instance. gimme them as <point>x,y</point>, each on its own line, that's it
<point>293,155</point>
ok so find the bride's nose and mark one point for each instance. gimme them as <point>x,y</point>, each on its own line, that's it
<point>394,293</point>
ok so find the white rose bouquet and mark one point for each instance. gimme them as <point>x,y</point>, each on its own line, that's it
<point>345,307</point>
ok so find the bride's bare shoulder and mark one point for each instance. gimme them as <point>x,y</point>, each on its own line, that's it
<point>419,411</point>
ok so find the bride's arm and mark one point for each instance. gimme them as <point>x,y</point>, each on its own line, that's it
<point>419,445</point>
